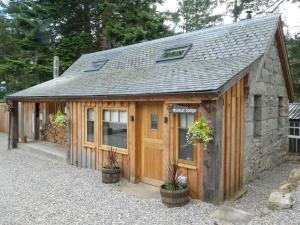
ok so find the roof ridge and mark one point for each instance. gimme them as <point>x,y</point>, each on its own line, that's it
<point>205,30</point>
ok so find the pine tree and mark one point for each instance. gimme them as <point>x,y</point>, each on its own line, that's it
<point>197,14</point>
<point>293,48</point>
<point>32,32</point>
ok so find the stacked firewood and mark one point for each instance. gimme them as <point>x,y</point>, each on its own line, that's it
<point>55,133</point>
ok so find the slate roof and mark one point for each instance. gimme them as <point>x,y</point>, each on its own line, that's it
<point>294,111</point>
<point>216,56</point>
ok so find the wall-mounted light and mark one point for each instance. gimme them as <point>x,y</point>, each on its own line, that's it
<point>132,118</point>
<point>165,119</point>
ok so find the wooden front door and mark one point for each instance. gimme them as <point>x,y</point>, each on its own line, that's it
<point>152,144</point>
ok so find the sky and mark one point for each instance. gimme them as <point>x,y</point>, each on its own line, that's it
<point>290,14</point>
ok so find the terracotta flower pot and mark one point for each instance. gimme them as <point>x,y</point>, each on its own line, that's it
<point>111,175</point>
<point>175,198</point>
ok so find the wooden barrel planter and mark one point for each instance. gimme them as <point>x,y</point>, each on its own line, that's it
<point>110,175</point>
<point>174,198</point>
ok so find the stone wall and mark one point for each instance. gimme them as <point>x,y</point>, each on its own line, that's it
<point>266,141</point>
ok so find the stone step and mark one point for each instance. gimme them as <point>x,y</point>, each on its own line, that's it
<point>44,149</point>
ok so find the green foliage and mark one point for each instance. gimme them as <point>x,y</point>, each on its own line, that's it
<point>60,119</point>
<point>293,48</point>
<point>196,14</point>
<point>33,32</point>
<point>201,131</point>
<point>236,7</point>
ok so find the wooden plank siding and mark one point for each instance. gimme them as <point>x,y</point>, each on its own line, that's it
<point>218,169</point>
<point>4,119</point>
<point>233,135</point>
<point>94,155</point>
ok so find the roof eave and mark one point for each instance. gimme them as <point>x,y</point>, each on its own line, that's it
<point>208,93</point>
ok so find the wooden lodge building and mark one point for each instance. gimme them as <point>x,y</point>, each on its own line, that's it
<point>142,98</point>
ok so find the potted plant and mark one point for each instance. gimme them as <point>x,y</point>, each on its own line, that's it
<point>111,173</point>
<point>174,193</point>
<point>200,132</point>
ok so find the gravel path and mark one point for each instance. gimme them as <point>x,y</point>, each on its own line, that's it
<point>36,190</point>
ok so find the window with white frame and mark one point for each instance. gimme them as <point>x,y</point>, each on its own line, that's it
<point>294,128</point>
<point>115,128</point>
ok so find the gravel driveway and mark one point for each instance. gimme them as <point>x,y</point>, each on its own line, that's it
<point>35,190</point>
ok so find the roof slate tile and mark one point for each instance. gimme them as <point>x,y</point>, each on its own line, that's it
<point>217,55</point>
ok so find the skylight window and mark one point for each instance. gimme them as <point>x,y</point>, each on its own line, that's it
<point>175,53</point>
<point>96,65</point>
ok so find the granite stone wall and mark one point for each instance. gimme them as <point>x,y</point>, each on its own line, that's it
<point>266,129</point>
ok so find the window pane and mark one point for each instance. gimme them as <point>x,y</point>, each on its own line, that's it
<point>123,116</point>
<point>90,125</point>
<point>115,134</point>
<point>291,123</point>
<point>154,121</point>
<point>106,115</point>
<point>291,131</point>
<point>296,124</point>
<point>190,119</point>
<point>296,131</point>
<point>186,152</point>
<point>182,120</point>
<point>114,116</point>
<point>90,114</point>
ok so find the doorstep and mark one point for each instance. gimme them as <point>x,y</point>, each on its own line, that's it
<point>140,190</point>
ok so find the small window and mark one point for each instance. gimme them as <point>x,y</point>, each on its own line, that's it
<point>186,152</point>
<point>115,128</point>
<point>90,128</point>
<point>294,128</point>
<point>154,121</point>
<point>175,53</point>
<point>96,65</point>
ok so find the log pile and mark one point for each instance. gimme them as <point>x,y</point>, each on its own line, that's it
<point>54,133</point>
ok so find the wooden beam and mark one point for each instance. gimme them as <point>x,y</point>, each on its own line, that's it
<point>233,136</point>
<point>21,121</point>
<point>179,97</point>
<point>166,138</point>
<point>284,61</point>
<point>15,129</point>
<point>218,195</point>
<point>69,132</point>
<point>132,141</point>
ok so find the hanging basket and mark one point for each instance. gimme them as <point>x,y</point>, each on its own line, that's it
<point>198,142</point>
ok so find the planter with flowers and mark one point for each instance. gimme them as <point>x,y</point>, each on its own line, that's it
<point>111,172</point>
<point>200,132</point>
<point>173,192</point>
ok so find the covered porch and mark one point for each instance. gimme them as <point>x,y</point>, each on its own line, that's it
<point>31,126</point>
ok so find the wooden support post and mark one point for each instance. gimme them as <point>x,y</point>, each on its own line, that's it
<point>69,133</point>
<point>21,121</point>
<point>200,149</point>
<point>166,138</point>
<point>218,195</point>
<point>132,141</point>
<point>15,129</point>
